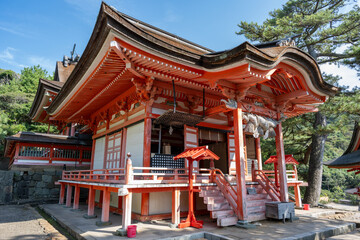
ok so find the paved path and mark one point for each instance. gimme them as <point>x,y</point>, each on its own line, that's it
<point>24,222</point>
<point>301,229</point>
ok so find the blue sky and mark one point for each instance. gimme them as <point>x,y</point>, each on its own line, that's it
<point>42,31</point>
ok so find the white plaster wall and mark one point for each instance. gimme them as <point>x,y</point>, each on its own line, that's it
<point>135,143</point>
<point>114,199</point>
<point>100,130</point>
<point>184,201</point>
<point>97,195</point>
<point>99,153</point>
<point>142,112</point>
<point>136,203</point>
<point>160,202</point>
<point>117,123</point>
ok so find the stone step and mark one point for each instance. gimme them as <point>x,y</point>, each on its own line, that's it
<point>212,200</point>
<point>218,206</point>
<point>216,214</point>
<point>253,217</point>
<point>224,221</point>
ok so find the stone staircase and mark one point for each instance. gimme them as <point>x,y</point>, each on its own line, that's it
<point>221,210</point>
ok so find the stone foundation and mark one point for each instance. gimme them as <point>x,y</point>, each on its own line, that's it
<point>29,183</point>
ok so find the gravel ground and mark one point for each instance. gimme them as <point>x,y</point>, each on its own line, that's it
<point>24,222</point>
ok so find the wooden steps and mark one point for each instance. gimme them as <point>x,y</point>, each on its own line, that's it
<point>221,210</point>
<point>218,206</point>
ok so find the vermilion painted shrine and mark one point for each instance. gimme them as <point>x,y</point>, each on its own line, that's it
<point>144,91</point>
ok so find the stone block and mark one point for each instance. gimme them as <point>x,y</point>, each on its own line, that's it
<point>50,185</point>
<point>26,177</point>
<point>38,192</point>
<point>17,177</point>
<point>47,178</point>
<point>32,183</point>
<point>50,172</point>
<point>31,173</point>
<point>54,191</point>
<point>40,185</point>
<point>37,177</point>
<point>31,191</point>
<point>45,192</point>
<point>59,173</point>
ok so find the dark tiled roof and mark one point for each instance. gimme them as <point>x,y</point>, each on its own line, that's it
<point>84,140</point>
<point>347,160</point>
<point>351,156</point>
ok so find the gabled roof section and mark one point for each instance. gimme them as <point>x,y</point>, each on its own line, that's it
<point>62,73</point>
<point>197,153</point>
<point>46,92</point>
<point>289,159</point>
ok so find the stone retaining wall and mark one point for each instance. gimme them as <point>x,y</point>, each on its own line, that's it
<point>32,184</point>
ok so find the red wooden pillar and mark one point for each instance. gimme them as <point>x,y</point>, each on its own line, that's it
<point>105,207</point>
<point>240,164</point>
<point>68,195</point>
<point>280,152</point>
<point>258,153</point>
<point>146,156</point>
<point>91,202</point>
<point>92,154</point>
<point>62,193</point>
<point>76,197</point>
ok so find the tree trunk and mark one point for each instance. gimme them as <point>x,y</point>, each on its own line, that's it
<point>312,194</point>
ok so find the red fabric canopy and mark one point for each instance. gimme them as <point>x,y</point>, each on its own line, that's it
<point>197,153</point>
<point>289,159</point>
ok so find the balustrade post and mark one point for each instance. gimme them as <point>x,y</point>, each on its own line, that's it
<point>295,172</point>
<point>62,193</point>
<point>51,154</point>
<point>68,195</point>
<point>253,175</point>
<point>129,170</point>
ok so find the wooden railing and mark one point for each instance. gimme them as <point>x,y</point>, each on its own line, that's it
<point>225,187</point>
<point>267,184</point>
<point>291,175</point>
<point>116,175</point>
<point>137,175</point>
<point>51,154</point>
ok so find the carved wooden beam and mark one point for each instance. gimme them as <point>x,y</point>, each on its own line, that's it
<point>114,45</point>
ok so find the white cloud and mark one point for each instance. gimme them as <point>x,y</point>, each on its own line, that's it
<point>7,56</point>
<point>349,76</point>
<point>43,62</point>
<point>16,29</point>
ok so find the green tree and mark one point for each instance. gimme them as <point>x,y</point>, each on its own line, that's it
<point>16,96</point>
<point>329,31</point>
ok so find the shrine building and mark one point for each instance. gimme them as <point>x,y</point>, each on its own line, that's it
<point>147,95</point>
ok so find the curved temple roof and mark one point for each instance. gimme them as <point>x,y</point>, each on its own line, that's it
<point>351,157</point>
<point>46,91</point>
<point>122,49</point>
